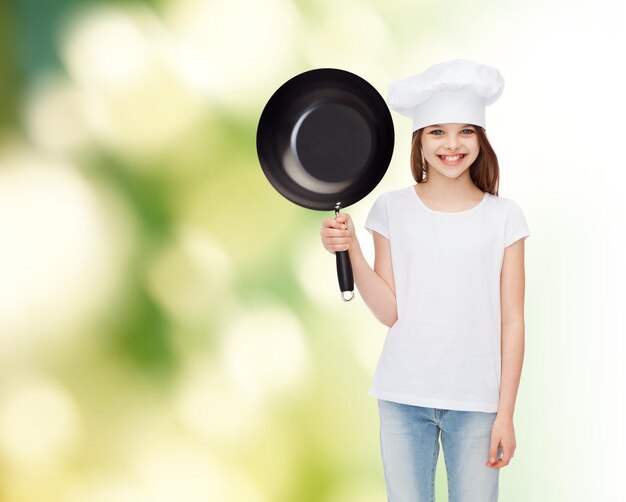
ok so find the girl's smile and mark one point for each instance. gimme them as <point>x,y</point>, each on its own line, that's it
<point>452,160</point>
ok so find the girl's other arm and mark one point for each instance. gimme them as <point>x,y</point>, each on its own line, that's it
<point>512,284</point>
<point>376,286</point>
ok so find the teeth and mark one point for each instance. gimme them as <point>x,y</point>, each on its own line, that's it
<point>451,159</point>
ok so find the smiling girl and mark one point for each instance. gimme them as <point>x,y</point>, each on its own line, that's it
<point>448,280</point>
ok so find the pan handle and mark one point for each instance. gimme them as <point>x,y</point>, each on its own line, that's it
<point>344,270</point>
<point>344,274</point>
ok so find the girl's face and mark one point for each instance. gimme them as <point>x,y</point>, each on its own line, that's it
<point>450,149</point>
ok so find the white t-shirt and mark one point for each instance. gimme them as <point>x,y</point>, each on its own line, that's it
<point>444,350</point>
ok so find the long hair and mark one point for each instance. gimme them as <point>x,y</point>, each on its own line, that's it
<point>484,171</point>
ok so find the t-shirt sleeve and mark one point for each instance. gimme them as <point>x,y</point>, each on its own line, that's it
<point>516,225</point>
<point>378,219</point>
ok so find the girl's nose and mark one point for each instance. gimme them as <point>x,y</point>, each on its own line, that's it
<point>452,142</point>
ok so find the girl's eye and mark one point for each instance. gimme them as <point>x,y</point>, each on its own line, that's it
<point>469,131</point>
<point>435,131</point>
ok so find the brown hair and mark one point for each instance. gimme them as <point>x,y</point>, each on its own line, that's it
<point>485,171</point>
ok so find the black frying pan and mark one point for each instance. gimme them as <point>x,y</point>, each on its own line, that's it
<point>324,140</point>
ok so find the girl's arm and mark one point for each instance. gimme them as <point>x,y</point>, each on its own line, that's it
<point>376,286</point>
<point>512,284</point>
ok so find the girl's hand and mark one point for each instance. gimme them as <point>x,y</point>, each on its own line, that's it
<point>503,436</point>
<point>338,233</point>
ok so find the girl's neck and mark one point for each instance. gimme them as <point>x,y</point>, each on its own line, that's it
<point>449,192</point>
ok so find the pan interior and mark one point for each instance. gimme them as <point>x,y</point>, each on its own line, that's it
<point>325,138</point>
<point>332,141</point>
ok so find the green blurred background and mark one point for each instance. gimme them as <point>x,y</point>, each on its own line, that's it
<point>171,327</point>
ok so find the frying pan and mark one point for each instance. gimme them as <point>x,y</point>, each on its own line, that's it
<point>324,141</point>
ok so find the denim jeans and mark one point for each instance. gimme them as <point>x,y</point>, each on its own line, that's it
<point>409,442</point>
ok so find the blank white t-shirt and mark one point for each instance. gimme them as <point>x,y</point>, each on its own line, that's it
<point>444,350</point>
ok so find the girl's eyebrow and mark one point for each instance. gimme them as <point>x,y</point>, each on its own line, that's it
<point>462,127</point>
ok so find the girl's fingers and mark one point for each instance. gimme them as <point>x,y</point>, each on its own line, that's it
<point>342,218</point>
<point>493,450</point>
<point>334,232</point>
<point>332,223</point>
<point>501,461</point>
<point>507,455</point>
<point>342,244</point>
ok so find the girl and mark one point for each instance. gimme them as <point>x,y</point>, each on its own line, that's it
<point>448,280</point>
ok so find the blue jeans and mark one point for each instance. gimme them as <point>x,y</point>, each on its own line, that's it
<point>409,442</point>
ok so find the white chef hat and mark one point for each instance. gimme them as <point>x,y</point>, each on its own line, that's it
<point>454,91</point>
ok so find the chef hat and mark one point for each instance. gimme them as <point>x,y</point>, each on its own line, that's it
<point>454,91</point>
